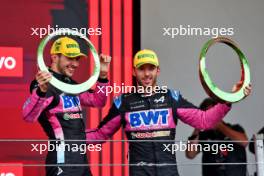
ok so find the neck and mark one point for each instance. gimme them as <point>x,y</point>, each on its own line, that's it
<point>54,68</point>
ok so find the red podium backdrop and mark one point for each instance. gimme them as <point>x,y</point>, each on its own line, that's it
<point>21,23</point>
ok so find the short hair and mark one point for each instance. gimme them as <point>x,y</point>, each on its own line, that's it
<point>206,103</point>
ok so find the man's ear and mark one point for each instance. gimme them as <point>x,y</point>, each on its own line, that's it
<point>158,71</point>
<point>134,71</point>
<point>54,58</point>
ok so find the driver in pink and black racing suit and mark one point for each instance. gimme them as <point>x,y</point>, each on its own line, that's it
<point>150,116</point>
<point>61,115</point>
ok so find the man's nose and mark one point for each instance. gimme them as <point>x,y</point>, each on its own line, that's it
<point>147,72</point>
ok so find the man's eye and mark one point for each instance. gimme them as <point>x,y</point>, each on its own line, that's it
<point>152,68</point>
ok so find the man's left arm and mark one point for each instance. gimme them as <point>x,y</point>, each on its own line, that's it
<point>98,97</point>
<point>206,119</point>
<point>200,119</point>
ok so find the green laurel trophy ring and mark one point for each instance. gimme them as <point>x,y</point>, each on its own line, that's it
<point>211,89</point>
<point>68,88</point>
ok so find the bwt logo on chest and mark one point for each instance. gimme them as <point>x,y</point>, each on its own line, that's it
<point>70,101</point>
<point>149,118</point>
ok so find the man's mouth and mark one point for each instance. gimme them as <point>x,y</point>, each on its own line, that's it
<point>70,69</point>
<point>147,80</point>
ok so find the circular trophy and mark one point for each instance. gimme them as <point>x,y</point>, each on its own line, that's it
<point>210,87</point>
<point>69,88</point>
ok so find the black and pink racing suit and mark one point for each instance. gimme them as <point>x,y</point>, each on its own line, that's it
<point>62,118</point>
<point>150,124</point>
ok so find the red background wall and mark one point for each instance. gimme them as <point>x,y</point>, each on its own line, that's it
<point>16,19</point>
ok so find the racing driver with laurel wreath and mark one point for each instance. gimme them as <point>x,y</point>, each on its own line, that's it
<point>61,115</point>
<point>154,116</point>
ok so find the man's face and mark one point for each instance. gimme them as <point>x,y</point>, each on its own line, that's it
<point>146,75</point>
<point>66,65</point>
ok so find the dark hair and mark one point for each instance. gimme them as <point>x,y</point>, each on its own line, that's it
<point>207,103</point>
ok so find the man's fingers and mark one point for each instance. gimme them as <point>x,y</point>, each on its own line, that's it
<point>105,58</point>
<point>48,75</point>
<point>41,75</point>
<point>43,78</point>
<point>249,86</point>
<point>246,92</point>
<point>102,57</point>
<point>44,81</point>
<point>46,78</point>
<point>108,59</point>
<point>41,72</point>
<point>248,89</point>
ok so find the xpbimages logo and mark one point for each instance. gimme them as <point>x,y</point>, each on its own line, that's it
<point>11,62</point>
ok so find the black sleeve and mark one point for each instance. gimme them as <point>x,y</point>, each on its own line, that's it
<point>184,103</point>
<point>205,135</point>
<point>238,128</point>
<point>178,101</point>
<point>34,85</point>
<point>107,128</point>
<point>51,92</point>
<point>112,113</point>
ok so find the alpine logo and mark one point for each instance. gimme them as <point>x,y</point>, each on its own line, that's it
<point>161,100</point>
<point>11,62</point>
<point>149,118</point>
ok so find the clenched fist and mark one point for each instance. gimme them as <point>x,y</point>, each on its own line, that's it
<point>104,62</point>
<point>43,78</point>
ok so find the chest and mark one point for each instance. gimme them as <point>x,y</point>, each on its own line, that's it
<point>66,103</point>
<point>148,113</point>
